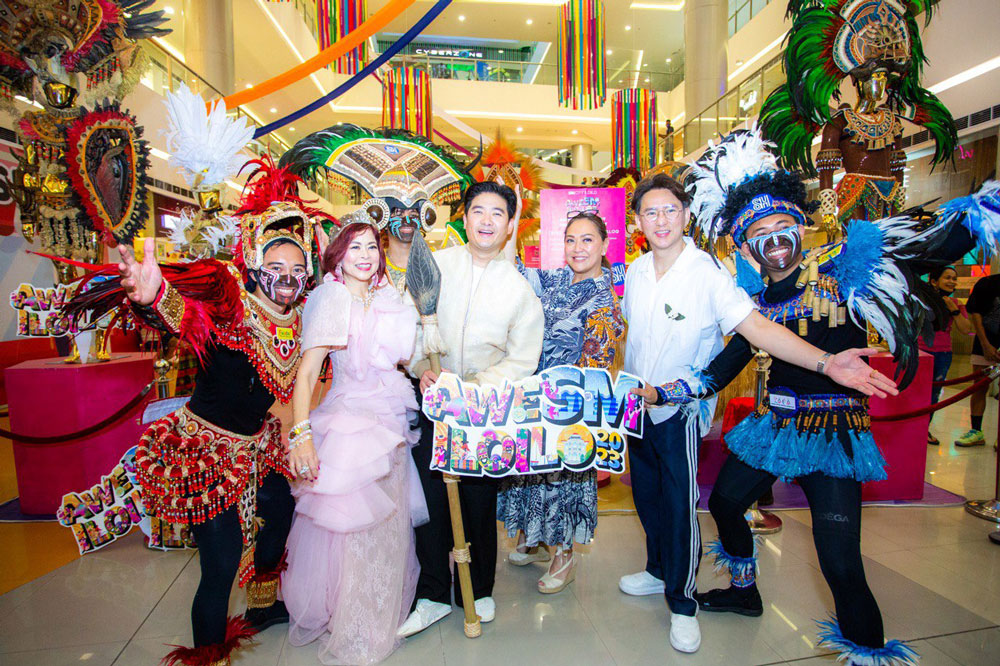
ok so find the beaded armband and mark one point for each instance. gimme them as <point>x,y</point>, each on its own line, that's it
<point>829,160</point>
<point>673,393</point>
<point>169,307</point>
<point>897,161</point>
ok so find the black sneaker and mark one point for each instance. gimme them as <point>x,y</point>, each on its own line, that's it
<point>744,601</point>
<point>262,618</point>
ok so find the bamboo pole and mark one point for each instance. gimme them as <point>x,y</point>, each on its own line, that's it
<point>460,552</point>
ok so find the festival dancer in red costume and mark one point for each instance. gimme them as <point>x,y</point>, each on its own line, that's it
<point>218,463</point>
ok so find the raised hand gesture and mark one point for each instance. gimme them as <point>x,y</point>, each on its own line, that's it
<point>847,369</point>
<point>141,281</point>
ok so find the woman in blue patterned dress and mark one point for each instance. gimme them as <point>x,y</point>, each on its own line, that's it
<point>583,327</point>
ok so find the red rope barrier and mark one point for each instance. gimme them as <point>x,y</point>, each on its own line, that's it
<point>938,405</point>
<point>959,380</point>
<point>57,439</point>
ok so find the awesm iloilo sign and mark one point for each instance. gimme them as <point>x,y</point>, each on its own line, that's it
<point>562,418</point>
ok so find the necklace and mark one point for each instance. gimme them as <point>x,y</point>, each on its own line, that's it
<point>369,295</point>
<point>876,130</point>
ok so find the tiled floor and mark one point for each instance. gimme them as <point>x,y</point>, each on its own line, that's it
<point>935,574</point>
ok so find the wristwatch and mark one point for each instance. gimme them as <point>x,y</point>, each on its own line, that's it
<point>821,363</point>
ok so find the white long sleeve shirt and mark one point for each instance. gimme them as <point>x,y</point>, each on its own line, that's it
<point>676,324</point>
<point>492,326</point>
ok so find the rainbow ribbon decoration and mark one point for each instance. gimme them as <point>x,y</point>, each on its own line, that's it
<point>335,19</point>
<point>406,100</point>
<point>633,128</point>
<point>583,71</point>
<point>367,70</point>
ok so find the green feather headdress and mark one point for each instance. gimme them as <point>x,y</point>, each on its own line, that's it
<point>384,162</point>
<point>823,47</point>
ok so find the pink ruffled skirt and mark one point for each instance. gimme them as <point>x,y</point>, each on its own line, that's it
<point>352,568</point>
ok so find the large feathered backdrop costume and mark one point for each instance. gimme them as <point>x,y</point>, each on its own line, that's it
<point>832,39</point>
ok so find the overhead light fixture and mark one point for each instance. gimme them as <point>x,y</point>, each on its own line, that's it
<point>291,129</point>
<point>248,85</point>
<point>609,51</point>
<point>627,28</point>
<point>520,129</point>
<point>758,56</point>
<point>670,59</point>
<point>168,10</point>
<point>575,132</point>
<point>672,6</point>
<point>461,17</point>
<point>500,51</point>
<point>967,75</point>
<point>529,21</point>
<point>273,110</point>
<point>646,79</point>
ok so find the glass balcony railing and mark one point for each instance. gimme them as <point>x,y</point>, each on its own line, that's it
<point>166,74</point>
<point>513,71</point>
<point>730,110</point>
<point>741,11</point>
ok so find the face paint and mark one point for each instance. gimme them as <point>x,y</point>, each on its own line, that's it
<point>777,250</point>
<point>282,289</point>
<point>403,223</point>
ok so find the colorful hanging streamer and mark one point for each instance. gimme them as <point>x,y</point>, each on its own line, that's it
<point>335,20</point>
<point>583,71</point>
<point>633,128</point>
<point>392,10</point>
<point>406,100</point>
<point>368,69</point>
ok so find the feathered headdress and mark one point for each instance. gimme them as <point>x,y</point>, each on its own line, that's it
<point>271,208</point>
<point>395,167</point>
<point>737,182</point>
<point>99,35</point>
<point>832,39</point>
<point>204,145</point>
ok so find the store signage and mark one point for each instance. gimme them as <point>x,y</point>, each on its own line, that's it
<point>450,53</point>
<point>562,418</point>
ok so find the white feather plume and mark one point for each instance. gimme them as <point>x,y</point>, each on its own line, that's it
<point>222,234</point>
<point>178,235</point>
<point>204,145</point>
<point>737,157</point>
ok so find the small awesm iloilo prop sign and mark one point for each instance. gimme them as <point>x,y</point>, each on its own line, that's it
<point>562,418</point>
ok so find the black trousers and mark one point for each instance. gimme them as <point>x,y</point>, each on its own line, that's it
<point>664,466</point>
<point>434,540</point>
<point>220,545</point>
<point>835,505</point>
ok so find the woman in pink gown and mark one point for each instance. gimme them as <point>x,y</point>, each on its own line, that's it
<point>352,568</point>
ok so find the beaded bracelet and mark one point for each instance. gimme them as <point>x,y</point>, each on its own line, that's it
<point>300,428</point>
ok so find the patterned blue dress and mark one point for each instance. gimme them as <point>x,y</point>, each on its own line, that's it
<point>583,327</point>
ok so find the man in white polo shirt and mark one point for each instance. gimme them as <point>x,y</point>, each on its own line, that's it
<point>679,303</point>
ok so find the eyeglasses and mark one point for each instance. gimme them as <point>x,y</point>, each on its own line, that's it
<point>670,212</point>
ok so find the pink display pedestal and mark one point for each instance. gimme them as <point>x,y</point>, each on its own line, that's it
<point>48,397</point>
<point>903,443</point>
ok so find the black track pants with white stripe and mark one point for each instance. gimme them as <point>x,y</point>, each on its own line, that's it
<point>664,466</point>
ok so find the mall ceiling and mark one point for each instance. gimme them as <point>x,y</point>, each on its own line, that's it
<point>637,38</point>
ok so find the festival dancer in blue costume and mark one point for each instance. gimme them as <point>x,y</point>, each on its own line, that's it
<point>810,429</point>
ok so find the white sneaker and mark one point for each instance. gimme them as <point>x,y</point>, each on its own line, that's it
<point>424,615</point>
<point>486,609</point>
<point>640,584</point>
<point>685,634</point>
